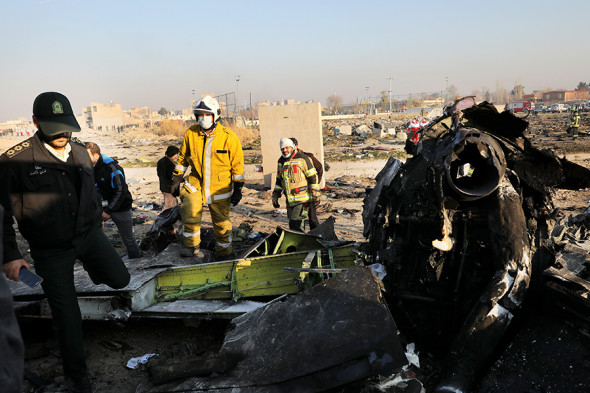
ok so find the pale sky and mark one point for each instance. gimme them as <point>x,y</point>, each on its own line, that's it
<point>155,53</point>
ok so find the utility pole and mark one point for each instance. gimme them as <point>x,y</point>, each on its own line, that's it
<point>390,78</point>
<point>237,95</point>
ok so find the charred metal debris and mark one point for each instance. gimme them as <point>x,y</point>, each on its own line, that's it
<point>467,231</point>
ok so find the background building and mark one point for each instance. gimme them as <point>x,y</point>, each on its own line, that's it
<point>106,117</point>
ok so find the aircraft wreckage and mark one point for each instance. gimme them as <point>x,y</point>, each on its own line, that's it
<point>467,234</point>
<point>466,229</point>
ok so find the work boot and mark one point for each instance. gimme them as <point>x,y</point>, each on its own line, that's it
<point>189,252</point>
<point>79,385</point>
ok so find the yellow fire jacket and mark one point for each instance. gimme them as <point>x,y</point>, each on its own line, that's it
<point>297,178</point>
<point>216,160</point>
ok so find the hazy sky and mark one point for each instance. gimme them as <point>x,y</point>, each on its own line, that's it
<point>155,53</point>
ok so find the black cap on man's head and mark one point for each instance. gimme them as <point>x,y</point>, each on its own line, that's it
<point>171,151</point>
<point>54,114</point>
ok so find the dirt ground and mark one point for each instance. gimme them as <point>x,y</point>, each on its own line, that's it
<point>109,345</point>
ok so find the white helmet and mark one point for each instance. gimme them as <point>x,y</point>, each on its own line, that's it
<point>208,105</point>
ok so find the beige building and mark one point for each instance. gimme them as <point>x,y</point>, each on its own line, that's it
<point>565,96</point>
<point>107,116</point>
<point>436,102</point>
<point>137,115</point>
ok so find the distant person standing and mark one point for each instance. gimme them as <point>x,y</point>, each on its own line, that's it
<point>165,170</point>
<point>414,131</point>
<point>117,200</point>
<point>424,123</point>
<point>313,207</point>
<point>575,124</point>
<point>214,154</point>
<point>297,179</point>
<point>48,186</point>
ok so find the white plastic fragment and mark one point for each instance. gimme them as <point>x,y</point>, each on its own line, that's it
<point>134,362</point>
<point>411,355</point>
<point>378,270</point>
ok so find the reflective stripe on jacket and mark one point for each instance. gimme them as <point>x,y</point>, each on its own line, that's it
<point>216,160</point>
<point>296,178</point>
<point>576,121</point>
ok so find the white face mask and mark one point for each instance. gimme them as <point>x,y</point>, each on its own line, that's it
<point>205,122</point>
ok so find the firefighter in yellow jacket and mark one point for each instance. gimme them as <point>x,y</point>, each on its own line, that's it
<point>216,160</point>
<point>298,180</point>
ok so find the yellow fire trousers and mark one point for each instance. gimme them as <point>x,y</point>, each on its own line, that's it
<point>191,212</point>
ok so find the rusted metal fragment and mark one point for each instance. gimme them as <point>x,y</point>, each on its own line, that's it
<point>325,230</point>
<point>334,333</point>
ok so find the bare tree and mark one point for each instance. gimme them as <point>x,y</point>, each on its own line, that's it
<point>383,102</point>
<point>486,94</point>
<point>334,103</point>
<point>452,92</point>
<point>501,95</point>
<point>517,92</point>
<point>583,86</point>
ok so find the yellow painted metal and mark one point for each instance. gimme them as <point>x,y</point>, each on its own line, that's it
<point>192,277</point>
<point>258,276</point>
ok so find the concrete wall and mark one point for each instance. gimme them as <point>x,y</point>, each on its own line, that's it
<point>107,115</point>
<point>302,121</point>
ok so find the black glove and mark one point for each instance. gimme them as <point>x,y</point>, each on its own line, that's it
<point>236,196</point>
<point>175,188</point>
<point>275,199</point>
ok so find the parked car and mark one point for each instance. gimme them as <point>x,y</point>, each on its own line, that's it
<point>541,109</point>
<point>558,108</point>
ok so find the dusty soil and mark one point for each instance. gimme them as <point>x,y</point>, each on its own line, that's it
<point>110,346</point>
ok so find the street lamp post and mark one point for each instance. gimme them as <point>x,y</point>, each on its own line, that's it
<point>390,78</point>
<point>237,95</point>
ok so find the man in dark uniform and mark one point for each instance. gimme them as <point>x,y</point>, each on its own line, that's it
<point>116,198</point>
<point>48,186</point>
<point>312,213</point>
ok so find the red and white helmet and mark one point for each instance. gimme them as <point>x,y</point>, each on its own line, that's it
<point>208,105</point>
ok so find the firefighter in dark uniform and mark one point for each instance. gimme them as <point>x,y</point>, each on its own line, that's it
<point>298,180</point>
<point>313,207</point>
<point>48,186</point>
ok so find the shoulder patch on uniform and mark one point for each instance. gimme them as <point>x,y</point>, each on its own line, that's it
<point>13,151</point>
<point>194,127</point>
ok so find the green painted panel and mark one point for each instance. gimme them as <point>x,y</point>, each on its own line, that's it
<point>258,276</point>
